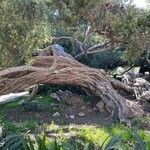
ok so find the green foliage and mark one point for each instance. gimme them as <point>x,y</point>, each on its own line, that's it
<point>105,60</point>
<point>129,25</point>
<point>23,28</point>
<point>37,106</point>
<point>113,143</point>
<point>20,127</point>
<point>91,137</point>
<point>141,122</point>
<point>17,142</point>
<point>41,142</point>
<point>139,143</point>
<point>87,136</point>
<point>28,24</point>
<point>98,135</point>
<point>12,142</point>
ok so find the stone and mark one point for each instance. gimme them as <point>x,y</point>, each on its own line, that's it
<point>60,91</point>
<point>21,102</point>
<point>57,114</point>
<point>95,109</point>
<point>83,107</point>
<point>100,106</point>
<point>88,103</point>
<point>72,117</point>
<point>148,132</point>
<point>81,114</point>
<point>89,110</point>
<point>54,104</point>
<point>55,96</point>
<point>55,109</point>
<point>66,116</point>
<point>68,102</point>
<point>1,132</point>
<point>68,92</point>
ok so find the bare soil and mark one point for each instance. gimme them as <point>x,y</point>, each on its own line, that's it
<point>68,114</point>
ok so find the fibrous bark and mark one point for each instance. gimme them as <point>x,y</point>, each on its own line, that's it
<point>64,70</point>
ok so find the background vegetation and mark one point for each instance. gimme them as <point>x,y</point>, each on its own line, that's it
<point>28,25</point>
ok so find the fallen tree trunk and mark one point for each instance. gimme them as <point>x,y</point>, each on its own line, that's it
<point>61,70</point>
<point>12,97</point>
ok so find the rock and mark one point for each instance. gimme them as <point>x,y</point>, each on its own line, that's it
<point>100,106</point>
<point>57,114</point>
<point>21,102</point>
<point>60,91</point>
<point>95,109</point>
<point>54,104</point>
<point>83,107</point>
<point>12,97</point>
<point>120,70</point>
<point>72,117</point>
<point>81,114</point>
<point>66,116</point>
<point>68,102</point>
<point>55,108</point>
<point>68,92</point>
<point>66,96</point>
<point>55,96</point>
<point>89,110</point>
<point>1,132</point>
<point>148,132</point>
<point>88,103</point>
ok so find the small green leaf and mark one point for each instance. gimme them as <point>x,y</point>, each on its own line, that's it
<point>139,145</point>
<point>87,146</point>
<point>113,143</point>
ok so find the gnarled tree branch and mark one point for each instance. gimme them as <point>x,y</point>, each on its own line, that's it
<point>93,49</point>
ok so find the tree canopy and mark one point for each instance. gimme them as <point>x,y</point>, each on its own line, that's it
<point>86,27</point>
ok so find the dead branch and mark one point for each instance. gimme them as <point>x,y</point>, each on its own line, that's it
<point>93,49</point>
<point>12,97</point>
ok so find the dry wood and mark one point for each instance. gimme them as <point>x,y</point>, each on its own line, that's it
<point>12,97</point>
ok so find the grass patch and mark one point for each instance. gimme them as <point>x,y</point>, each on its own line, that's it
<point>141,122</point>
<point>5,107</point>
<point>21,127</point>
<point>40,103</point>
<point>97,135</point>
<point>83,134</point>
<point>93,135</point>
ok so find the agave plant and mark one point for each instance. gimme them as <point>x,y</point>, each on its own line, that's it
<point>113,143</point>
<point>12,142</point>
<point>139,143</point>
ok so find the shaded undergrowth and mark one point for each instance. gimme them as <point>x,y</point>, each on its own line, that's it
<point>80,135</point>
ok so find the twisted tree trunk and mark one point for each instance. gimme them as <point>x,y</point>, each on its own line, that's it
<point>64,70</point>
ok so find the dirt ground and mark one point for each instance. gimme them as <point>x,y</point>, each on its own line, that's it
<point>72,111</point>
<point>76,112</point>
